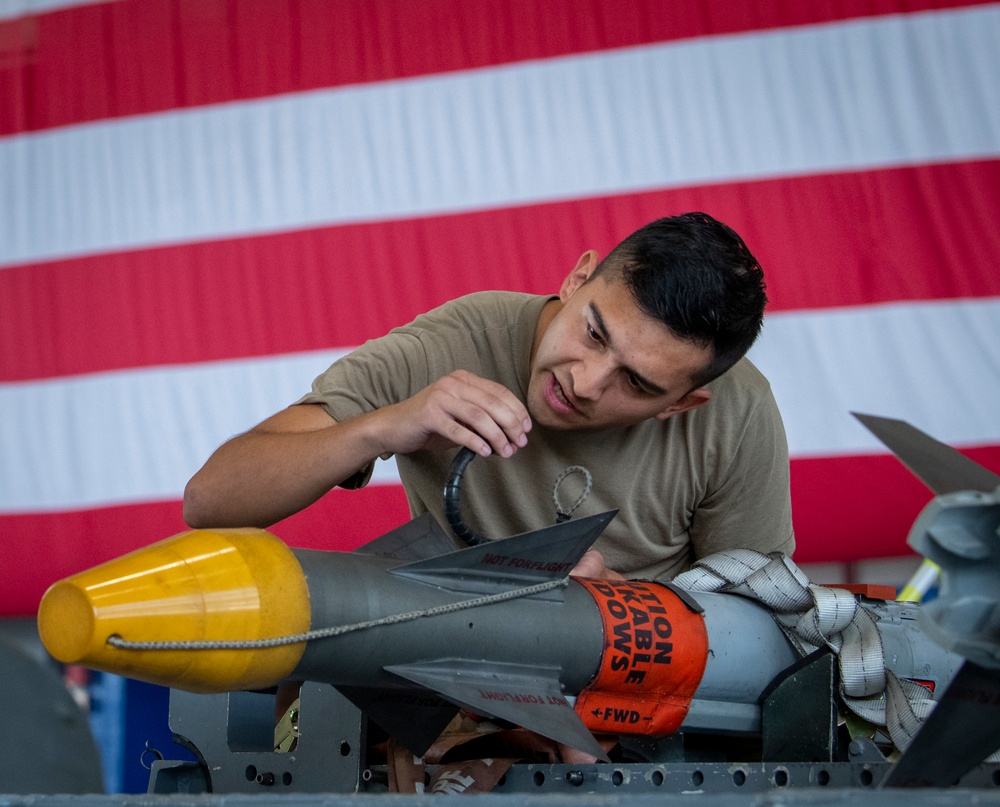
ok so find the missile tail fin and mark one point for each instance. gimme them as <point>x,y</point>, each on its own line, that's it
<point>416,540</point>
<point>415,718</point>
<point>532,557</point>
<point>937,465</point>
<point>960,733</point>
<point>530,697</point>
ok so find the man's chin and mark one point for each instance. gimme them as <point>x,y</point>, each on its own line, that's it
<point>543,416</point>
<point>548,414</point>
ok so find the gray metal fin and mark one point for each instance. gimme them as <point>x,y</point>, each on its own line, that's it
<point>530,697</point>
<point>522,560</point>
<point>958,735</point>
<point>418,539</point>
<point>937,465</point>
<point>415,718</point>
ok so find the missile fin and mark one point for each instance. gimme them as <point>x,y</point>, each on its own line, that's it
<point>937,465</point>
<point>532,557</point>
<point>415,718</point>
<point>530,697</point>
<point>960,733</point>
<point>415,540</point>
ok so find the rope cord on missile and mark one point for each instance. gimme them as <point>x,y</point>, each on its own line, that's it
<point>324,633</point>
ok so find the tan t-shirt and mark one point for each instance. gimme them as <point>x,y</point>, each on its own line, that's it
<point>705,480</point>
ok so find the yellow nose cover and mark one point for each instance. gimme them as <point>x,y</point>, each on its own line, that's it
<point>203,585</point>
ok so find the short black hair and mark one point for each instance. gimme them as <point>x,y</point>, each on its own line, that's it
<point>697,276</point>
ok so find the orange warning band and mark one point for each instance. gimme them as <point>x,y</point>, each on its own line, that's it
<point>655,651</point>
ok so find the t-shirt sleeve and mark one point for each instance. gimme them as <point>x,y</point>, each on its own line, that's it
<point>751,506</point>
<point>379,373</point>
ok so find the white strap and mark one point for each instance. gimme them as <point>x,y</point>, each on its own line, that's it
<point>814,616</point>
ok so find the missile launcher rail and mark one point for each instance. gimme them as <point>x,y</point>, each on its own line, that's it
<point>233,749</point>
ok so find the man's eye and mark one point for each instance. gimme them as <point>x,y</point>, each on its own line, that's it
<point>634,383</point>
<point>594,335</point>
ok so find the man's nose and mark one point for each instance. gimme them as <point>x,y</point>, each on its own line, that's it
<point>591,378</point>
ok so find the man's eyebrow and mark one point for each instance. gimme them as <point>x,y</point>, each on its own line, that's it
<point>602,331</point>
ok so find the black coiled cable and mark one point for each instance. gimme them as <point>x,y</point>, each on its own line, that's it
<point>452,507</point>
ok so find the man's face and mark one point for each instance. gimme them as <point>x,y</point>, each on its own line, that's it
<point>600,361</point>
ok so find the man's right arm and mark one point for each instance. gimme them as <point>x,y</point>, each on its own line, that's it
<point>294,457</point>
<point>277,468</point>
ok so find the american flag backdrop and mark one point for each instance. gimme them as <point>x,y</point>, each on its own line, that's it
<point>204,202</point>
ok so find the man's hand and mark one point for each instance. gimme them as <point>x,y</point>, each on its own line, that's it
<point>294,457</point>
<point>460,409</point>
<point>591,566</point>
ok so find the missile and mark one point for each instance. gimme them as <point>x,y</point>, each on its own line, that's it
<point>959,533</point>
<point>411,629</point>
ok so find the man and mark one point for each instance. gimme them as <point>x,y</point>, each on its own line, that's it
<point>636,370</point>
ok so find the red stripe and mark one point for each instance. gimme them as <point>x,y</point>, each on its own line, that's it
<point>40,549</point>
<point>836,240</point>
<point>128,58</point>
<point>853,508</point>
<point>846,508</point>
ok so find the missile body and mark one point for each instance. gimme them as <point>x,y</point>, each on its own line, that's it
<point>495,629</point>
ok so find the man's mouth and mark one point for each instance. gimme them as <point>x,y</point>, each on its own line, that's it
<point>557,398</point>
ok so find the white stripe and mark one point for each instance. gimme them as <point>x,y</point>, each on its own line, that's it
<point>139,435</point>
<point>934,364</point>
<point>10,9</point>
<point>878,92</point>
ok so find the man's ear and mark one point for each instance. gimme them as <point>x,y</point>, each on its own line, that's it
<point>694,399</point>
<point>584,268</point>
